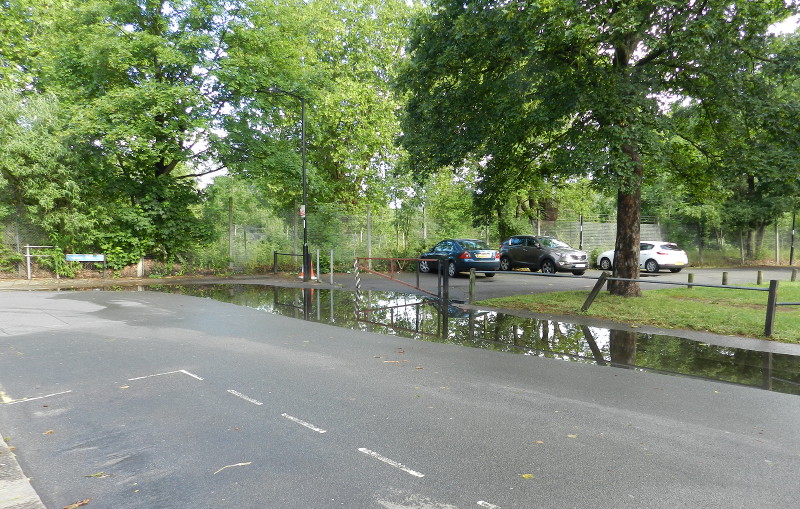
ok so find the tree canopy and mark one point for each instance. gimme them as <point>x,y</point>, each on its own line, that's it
<point>562,87</point>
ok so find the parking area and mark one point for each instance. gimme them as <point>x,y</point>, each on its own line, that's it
<point>523,282</point>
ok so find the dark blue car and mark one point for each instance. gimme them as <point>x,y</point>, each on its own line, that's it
<point>460,255</point>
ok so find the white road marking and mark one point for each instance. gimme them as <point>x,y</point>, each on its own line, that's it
<point>151,376</point>
<point>304,423</point>
<point>166,373</point>
<point>246,398</point>
<point>487,505</point>
<point>234,465</point>
<point>391,462</point>
<point>190,374</point>
<point>25,400</point>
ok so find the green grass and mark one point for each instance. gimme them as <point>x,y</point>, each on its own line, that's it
<point>718,310</point>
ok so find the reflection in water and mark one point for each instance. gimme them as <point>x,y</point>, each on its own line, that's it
<point>425,319</point>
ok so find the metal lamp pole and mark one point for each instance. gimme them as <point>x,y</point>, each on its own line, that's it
<point>306,257</point>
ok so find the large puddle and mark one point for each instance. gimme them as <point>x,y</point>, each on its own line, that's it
<point>424,319</point>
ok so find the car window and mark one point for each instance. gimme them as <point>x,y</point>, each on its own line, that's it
<point>670,246</point>
<point>645,247</point>
<point>551,242</point>
<point>470,245</point>
<point>516,241</point>
<point>443,246</point>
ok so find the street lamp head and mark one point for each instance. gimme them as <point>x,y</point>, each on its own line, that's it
<point>276,90</point>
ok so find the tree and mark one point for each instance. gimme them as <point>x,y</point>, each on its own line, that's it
<point>571,88</point>
<point>132,79</point>
<point>335,54</point>
<point>36,181</point>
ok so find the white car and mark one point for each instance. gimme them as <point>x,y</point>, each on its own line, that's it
<point>654,255</point>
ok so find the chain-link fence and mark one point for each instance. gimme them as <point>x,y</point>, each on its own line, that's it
<point>385,235</point>
<point>339,238</point>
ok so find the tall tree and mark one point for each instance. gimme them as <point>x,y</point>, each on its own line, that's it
<point>337,55</point>
<point>134,81</point>
<point>572,87</point>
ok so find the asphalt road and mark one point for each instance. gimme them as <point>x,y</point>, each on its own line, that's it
<point>151,400</point>
<point>520,282</point>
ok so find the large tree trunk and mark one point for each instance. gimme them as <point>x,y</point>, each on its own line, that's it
<point>626,258</point>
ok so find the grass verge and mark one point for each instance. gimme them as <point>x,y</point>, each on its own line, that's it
<point>718,310</point>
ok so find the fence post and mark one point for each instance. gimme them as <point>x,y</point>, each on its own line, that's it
<point>445,281</point>
<point>331,260</point>
<point>597,287</point>
<point>724,278</point>
<point>274,262</point>
<point>771,305</point>
<point>471,298</point>
<point>794,274</point>
<point>28,260</point>
<point>690,280</point>
<point>760,277</point>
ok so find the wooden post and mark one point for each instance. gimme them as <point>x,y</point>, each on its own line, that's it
<point>724,278</point>
<point>471,299</point>
<point>771,305</point>
<point>597,287</point>
<point>690,281</point>
<point>760,277</point>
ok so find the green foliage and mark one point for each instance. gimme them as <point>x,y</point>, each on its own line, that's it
<point>55,260</point>
<point>537,91</point>
<point>9,258</point>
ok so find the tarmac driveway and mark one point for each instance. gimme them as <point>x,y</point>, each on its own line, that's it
<point>145,400</point>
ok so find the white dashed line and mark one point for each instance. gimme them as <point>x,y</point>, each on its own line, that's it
<point>487,505</point>
<point>190,374</point>
<point>391,462</point>
<point>246,398</point>
<point>25,400</point>
<point>166,373</point>
<point>304,423</point>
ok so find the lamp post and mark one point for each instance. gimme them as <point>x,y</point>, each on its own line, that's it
<point>306,257</point>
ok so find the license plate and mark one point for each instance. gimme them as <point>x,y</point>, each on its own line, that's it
<point>679,263</point>
<point>580,265</point>
<point>483,255</point>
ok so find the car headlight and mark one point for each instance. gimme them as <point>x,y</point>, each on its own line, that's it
<point>562,257</point>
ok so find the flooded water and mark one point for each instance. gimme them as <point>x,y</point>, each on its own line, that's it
<point>424,319</point>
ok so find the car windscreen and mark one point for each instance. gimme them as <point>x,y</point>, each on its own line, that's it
<point>551,242</point>
<point>471,245</point>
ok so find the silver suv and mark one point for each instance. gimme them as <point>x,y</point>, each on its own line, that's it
<point>547,254</point>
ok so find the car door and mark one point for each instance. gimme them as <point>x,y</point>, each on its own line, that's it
<point>516,251</point>
<point>535,252</point>
<point>532,253</point>
<point>443,250</point>
<point>644,252</point>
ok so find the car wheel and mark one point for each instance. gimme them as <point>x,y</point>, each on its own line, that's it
<point>651,266</point>
<point>424,266</point>
<point>605,264</point>
<point>451,269</point>
<point>505,263</point>
<point>675,270</point>
<point>489,275</point>
<point>579,272</point>
<point>548,267</point>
